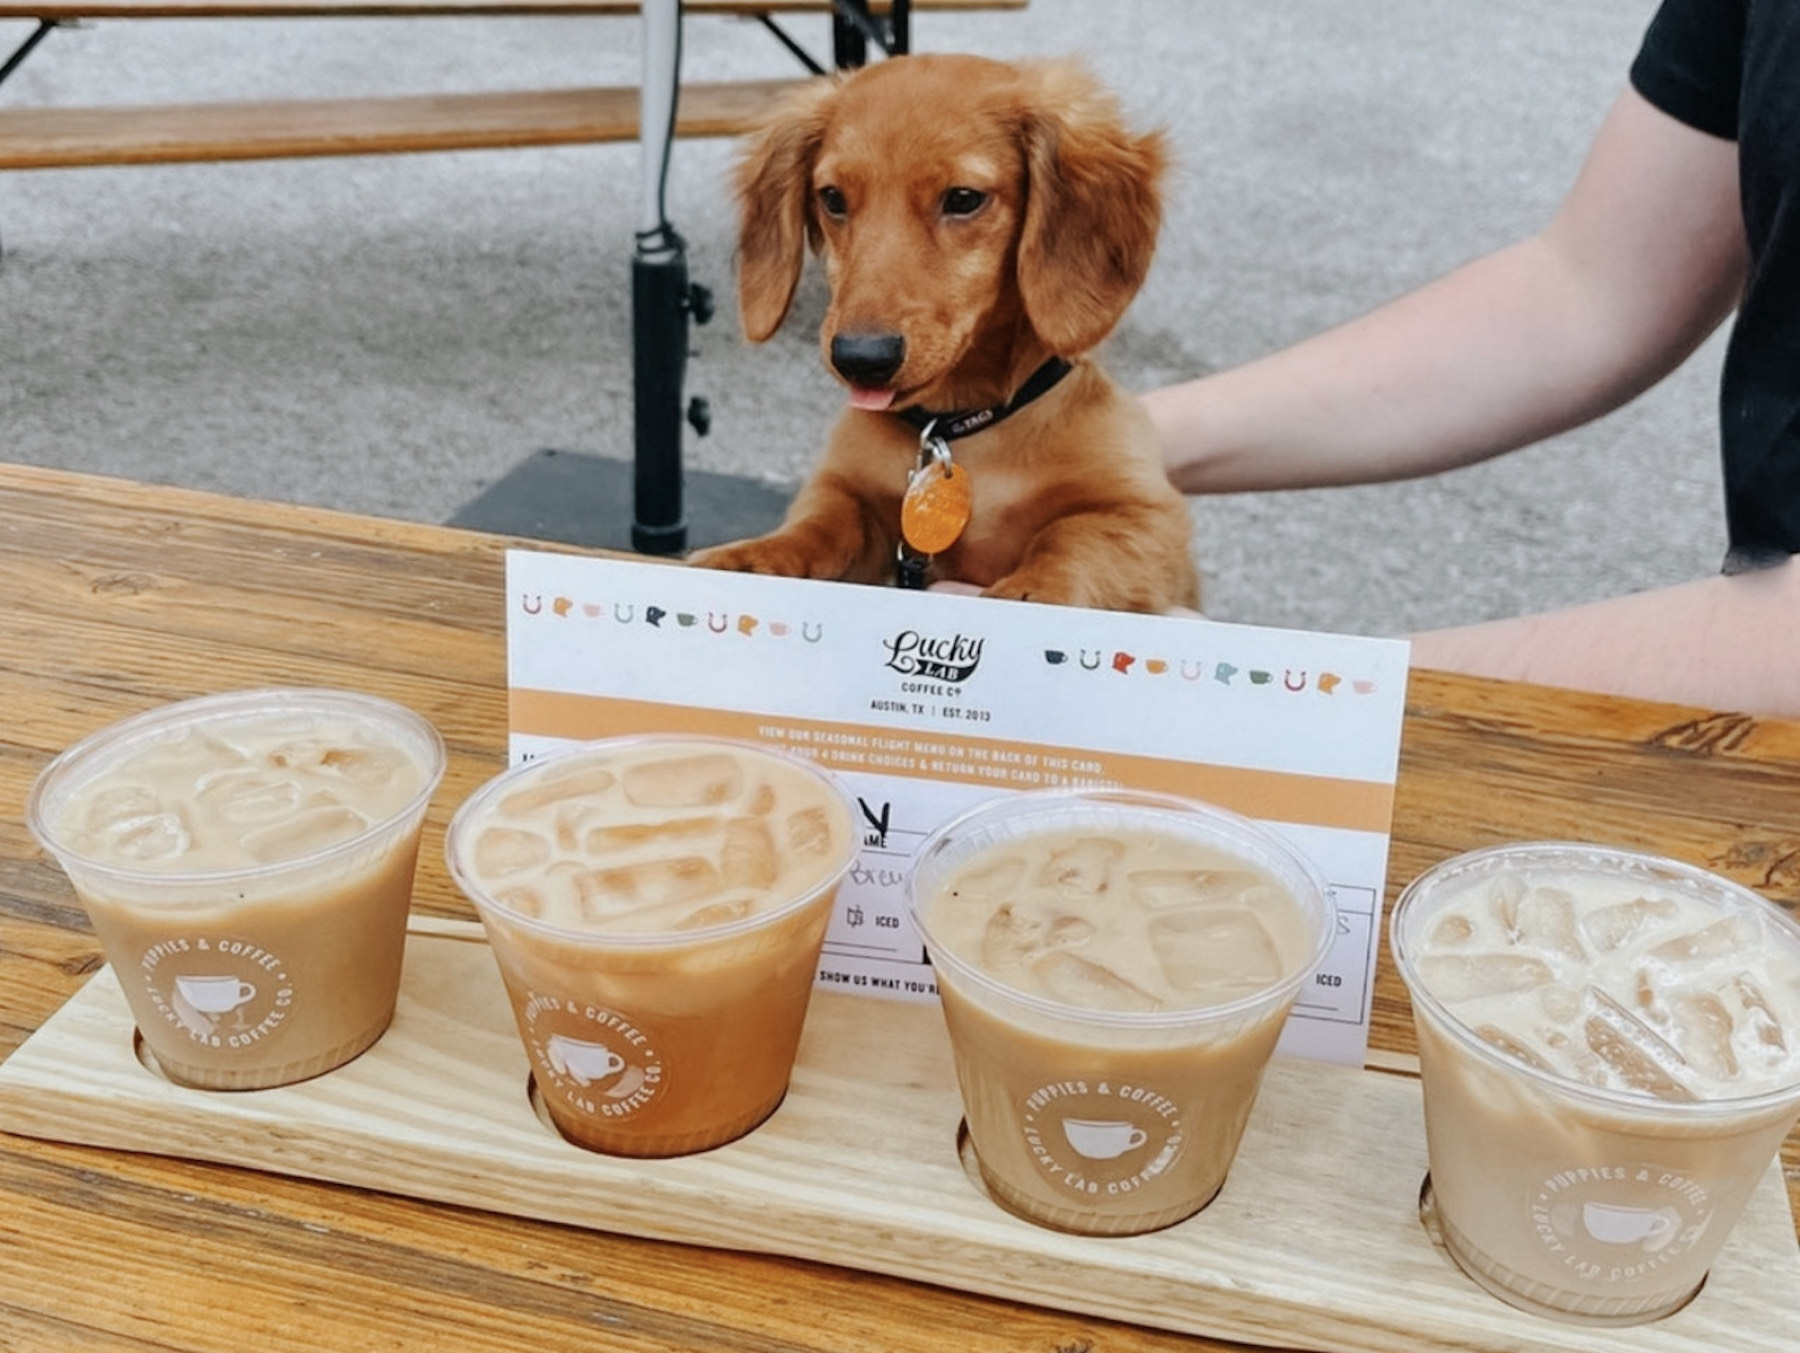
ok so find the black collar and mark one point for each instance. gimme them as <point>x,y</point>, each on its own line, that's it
<point>963,422</point>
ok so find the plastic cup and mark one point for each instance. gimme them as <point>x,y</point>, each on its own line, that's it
<point>1113,1121</point>
<point>1610,1049</point>
<point>656,906</point>
<point>247,862</point>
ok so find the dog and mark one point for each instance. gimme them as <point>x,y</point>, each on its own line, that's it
<point>983,226</point>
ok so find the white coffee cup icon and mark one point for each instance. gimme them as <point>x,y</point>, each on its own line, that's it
<point>583,1062</point>
<point>214,995</point>
<point>1628,1225</point>
<point>1103,1139</point>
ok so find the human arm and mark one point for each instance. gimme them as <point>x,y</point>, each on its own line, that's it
<point>1643,259</point>
<point>1724,643</point>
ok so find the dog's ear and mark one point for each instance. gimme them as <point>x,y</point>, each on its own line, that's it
<point>775,211</point>
<point>1092,211</point>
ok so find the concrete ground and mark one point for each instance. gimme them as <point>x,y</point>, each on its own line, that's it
<point>395,335</point>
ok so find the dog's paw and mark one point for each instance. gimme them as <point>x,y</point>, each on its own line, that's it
<point>769,555</point>
<point>1036,585</point>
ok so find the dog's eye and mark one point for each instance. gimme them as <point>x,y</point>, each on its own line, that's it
<point>964,201</point>
<point>831,200</point>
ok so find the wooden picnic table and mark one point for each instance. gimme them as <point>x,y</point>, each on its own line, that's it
<point>119,596</point>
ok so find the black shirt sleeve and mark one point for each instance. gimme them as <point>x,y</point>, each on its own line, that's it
<point>1691,63</point>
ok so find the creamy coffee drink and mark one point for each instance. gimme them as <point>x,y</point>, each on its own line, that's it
<point>657,907</point>
<point>1115,972</point>
<point>247,862</point>
<point>1610,1047</point>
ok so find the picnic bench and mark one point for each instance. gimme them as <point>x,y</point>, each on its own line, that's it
<point>662,108</point>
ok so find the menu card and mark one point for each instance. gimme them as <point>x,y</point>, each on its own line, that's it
<point>927,703</point>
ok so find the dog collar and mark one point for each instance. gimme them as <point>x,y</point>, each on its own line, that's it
<point>964,422</point>
<point>936,505</point>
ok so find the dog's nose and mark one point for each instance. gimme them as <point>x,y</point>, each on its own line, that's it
<point>868,359</point>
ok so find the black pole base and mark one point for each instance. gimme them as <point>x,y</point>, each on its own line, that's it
<point>659,322</point>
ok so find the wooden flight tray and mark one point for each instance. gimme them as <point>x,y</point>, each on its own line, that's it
<point>1314,1241</point>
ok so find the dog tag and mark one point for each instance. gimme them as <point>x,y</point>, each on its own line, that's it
<point>936,506</point>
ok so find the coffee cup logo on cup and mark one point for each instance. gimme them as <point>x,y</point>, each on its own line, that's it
<point>1616,1225</point>
<point>215,996</point>
<point>1100,1139</point>
<point>582,1062</point>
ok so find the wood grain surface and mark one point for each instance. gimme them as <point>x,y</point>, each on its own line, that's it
<point>859,1166</point>
<point>120,596</point>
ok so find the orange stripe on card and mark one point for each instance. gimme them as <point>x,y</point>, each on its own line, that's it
<point>1281,796</point>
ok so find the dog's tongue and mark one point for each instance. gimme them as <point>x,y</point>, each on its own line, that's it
<point>861,397</point>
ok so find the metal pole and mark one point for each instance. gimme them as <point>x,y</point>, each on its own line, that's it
<point>660,300</point>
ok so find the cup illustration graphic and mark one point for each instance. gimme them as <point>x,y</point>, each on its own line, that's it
<point>583,1062</point>
<point>1100,1139</point>
<point>214,996</point>
<point>1649,1227</point>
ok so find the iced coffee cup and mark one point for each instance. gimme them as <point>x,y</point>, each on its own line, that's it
<point>247,862</point>
<point>1610,1049</point>
<point>656,906</point>
<point>1115,970</point>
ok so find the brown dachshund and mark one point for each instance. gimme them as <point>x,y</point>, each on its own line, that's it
<point>983,226</point>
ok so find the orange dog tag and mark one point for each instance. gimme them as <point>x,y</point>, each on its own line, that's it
<point>936,506</point>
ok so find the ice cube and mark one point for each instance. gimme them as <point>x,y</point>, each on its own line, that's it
<point>762,801</point>
<point>1639,1058</point>
<point>314,830</point>
<point>995,877</point>
<point>1701,1027</point>
<point>246,796</point>
<point>1504,896</point>
<point>525,900</point>
<point>1544,920</point>
<point>195,753</point>
<point>747,854</point>
<point>146,840</point>
<point>1454,978</point>
<point>704,780</point>
<point>1614,927</point>
<point>1066,932</point>
<point>500,851</point>
<point>630,835</point>
<point>1560,1005</point>
<point>1185,889</point>
<point>366,766</point>
<point>1513,1047</point>
<point>714,913</point>
<point>561,784</point>
<point>1077,981</point>
<point>1573,1058</point>
<point>1012,937</point>
<point>1452,931</point>
<point>1764,1025</point>
<point>1084,866</point>
<point>809,832</point>
<point>120,805</point>
<point>300,753</point>
<point>1215,949</point>
<point>1728,935</point>
<point>682,880</point>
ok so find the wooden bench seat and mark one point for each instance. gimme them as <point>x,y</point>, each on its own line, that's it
<point>43,138</point>
<point>68,137</point>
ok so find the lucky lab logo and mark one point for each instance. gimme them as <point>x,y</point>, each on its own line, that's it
<point>951,659</point>
<point>596,1061</point>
